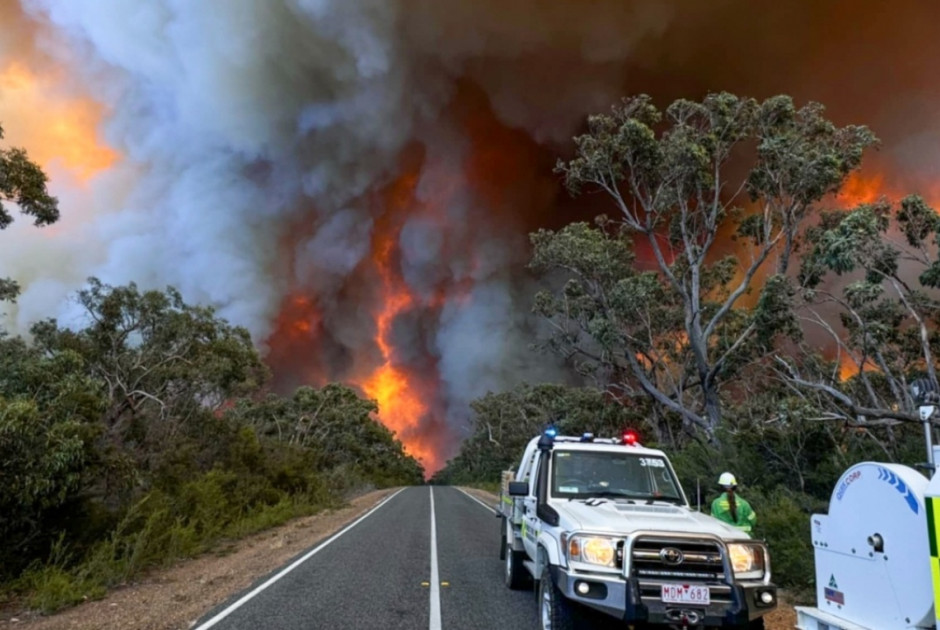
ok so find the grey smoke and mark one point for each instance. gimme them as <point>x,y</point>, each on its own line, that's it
<point>257,135</point>
<point>242,121</point>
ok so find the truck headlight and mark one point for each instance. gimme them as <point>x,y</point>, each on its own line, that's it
<point>747,560</point>
<point>598,550</point>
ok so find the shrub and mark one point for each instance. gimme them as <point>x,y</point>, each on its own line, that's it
<point>783,520</point>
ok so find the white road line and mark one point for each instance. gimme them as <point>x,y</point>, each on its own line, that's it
<point>435,578</point>
<point>241,602</point>
<point>488,507</point>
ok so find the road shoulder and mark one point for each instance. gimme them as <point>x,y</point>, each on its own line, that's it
<point>489,498</point>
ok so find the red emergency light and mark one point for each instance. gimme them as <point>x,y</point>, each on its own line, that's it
<point>630,437</point>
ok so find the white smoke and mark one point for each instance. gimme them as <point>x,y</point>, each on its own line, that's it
<point>232,113</point>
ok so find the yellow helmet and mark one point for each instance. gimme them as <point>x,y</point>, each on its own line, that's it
<point>727,480</point>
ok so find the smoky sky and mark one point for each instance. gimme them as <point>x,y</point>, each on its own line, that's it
<point>262,143</point>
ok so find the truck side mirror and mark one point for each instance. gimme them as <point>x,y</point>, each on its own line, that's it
<point>518,488</point>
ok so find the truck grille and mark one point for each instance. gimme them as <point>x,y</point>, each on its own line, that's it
<point>677,559</point>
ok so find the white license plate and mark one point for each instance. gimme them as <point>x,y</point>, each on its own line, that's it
<point>686,594</point>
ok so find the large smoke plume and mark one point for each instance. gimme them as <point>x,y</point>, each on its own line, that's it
<point>298,163</point>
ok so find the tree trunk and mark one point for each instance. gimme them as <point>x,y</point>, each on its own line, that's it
<point>712,407</point>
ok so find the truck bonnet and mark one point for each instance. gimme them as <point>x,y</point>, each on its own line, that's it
<point>621,517</point>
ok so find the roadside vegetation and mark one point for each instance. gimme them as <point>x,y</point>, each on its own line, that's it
<point>148,436</point>
<point>731,309</point>
<point>147,433</point>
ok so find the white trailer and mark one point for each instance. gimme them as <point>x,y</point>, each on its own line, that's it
<point>872,553</point>
<point>876,551</point>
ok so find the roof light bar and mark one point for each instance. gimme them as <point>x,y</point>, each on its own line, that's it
<point>547,441</point>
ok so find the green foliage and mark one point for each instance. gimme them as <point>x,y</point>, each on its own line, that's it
<point>156,357</point>
<point>163,527</point>
<point>40,460</point>
<point>9,290</point>
<point>802,155</point>
<point>23,183</point>
<point>773,316</point>
<point>47,428</point>
<point>654,308</point>
<point>147,436</point>
<point>784,522</point>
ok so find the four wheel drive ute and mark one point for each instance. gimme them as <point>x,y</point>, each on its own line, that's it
<point>603,524</point>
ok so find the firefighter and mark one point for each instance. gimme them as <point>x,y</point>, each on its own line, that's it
<point>731,508</point>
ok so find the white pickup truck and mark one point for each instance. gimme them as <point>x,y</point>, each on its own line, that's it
<point>605,525</point>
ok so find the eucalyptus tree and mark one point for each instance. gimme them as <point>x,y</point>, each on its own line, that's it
<point>709,200</point>
<point>163,366</point>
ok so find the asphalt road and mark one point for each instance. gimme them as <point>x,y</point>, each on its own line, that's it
<point>388,571</point>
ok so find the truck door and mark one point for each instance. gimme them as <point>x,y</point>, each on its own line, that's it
<point>531,524</point>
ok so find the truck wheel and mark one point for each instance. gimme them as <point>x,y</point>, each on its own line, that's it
<point>555,612</point>
<point>502,539</point>
<point>515,573</point>
<point>756,624</point>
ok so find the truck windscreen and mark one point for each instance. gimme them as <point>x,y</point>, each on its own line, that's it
<point>587,474</point>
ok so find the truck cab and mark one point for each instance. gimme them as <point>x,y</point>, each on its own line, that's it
<point>605,525</point>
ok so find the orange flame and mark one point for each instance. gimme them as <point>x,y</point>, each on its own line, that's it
<point>401,408</point>
<point>51,128</point>
<point>294,343</point>
<point>869,186</point>
<point>849,367</point>
<point>859,189</point>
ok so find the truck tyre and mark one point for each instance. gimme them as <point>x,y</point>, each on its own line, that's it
<point>502,538</point>
<point>555,612</point>
<point>756,624</point>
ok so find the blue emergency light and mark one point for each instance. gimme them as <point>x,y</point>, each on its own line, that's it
<point>547,441</point>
